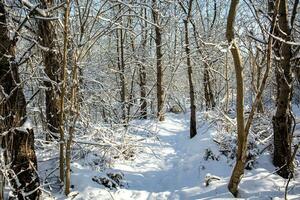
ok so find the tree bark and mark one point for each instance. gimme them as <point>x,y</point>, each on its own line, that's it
<point>282,120</point>
<point>18,142</point>
<point>121,66</point>
<point>238,170</point>
<point>260,106</point>
<point>160,93</point>
<point>243,130</point>
<point>227,84</point>
<point>256,77</point>
<point>193,119</point>
<point>66,60</point>
<point>142,72</point>
<point>208,93</point>
<point>52,59</point>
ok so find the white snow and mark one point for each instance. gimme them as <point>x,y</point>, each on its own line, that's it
<point>172,166</point>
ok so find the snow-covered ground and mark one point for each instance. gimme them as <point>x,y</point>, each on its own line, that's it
<point>169,165</point>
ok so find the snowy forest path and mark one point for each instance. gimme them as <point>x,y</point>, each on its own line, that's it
<point>170,165</point>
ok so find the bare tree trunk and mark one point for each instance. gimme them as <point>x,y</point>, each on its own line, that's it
<point>143,92</point>
<point>159,66</point>
<point>193,119</point>
<point>121,66</point>
<point>227,84</point>
<point>68,59</point>
<point>260,106</point>
<point>52,60</point>
<point>18,143</point>
<point>142,72</point>
<point>238,170</point>
<point>256,77</point>
<point>208,93</point>
<point>282,120</point>
<point>63,79</point>
<point>131,95</point>
<point>123,79</point>
<point>242,129</point>
<point>74,114</point>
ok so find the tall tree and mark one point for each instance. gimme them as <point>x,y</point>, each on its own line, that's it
<point>160,93</point>
<point>122,66</point>
<point>282,120</point>
<point>242,128</point>
<point>18,142</point>
<point>142,68</point>
<point>193,119</point>
<point>52,59</point>
<point>207,83</point>
<point>72,99</point>
<point>238,170</point>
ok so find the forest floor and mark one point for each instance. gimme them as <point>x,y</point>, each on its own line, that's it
<point>168,165</point>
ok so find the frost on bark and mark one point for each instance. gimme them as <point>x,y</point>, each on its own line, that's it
<point>208,92</point>
<point>121,67</point>
<point>16,140</point>
<point>159,65</point>
<point>193,119</point>
<point>52,59</point>
<point>142,73</point>
<point>282,120</point>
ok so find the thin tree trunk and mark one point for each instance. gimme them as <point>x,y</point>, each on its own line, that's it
<point>227,84</point>
<point>160,93</point>
<point>143,92</point>
<point>74,114</point>
<point>63,94</point>
<point>142,72</point>
<point>121,66</point>
<point>208,93</point>
<point>122,73</point>
<point>243,130</point>
<point>238,170</point>
<point>72,99</point>
<point>260,106</point>
<point>193,119</point>
<point>123,79</point>
<point>131,95</point>
<point>256,78</point>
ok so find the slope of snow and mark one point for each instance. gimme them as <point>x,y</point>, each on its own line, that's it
<point>172,166</point>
